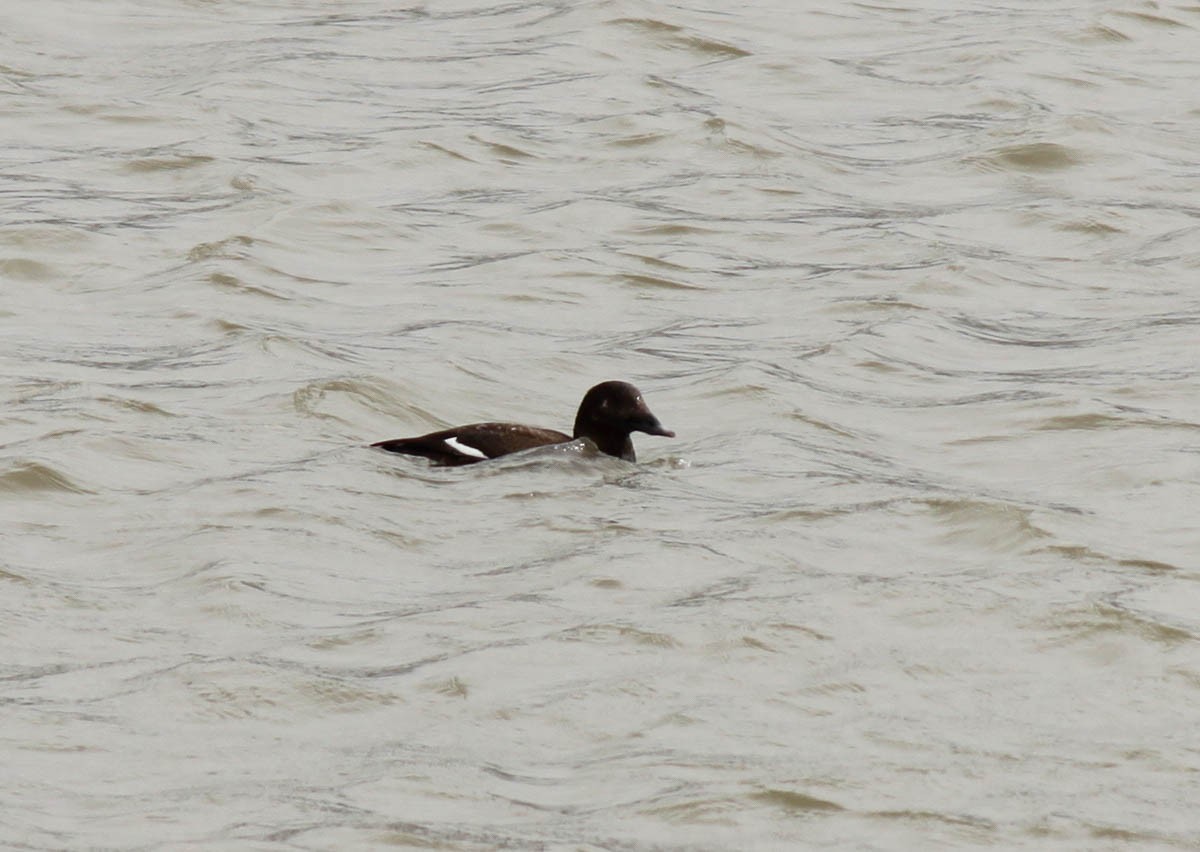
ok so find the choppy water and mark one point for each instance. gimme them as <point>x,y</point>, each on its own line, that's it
<point>915,284</point>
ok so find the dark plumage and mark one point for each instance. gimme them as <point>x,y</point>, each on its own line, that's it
<point>607,415</point>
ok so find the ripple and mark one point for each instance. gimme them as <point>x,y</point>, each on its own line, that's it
<point>617,633</point>
<point>34,477</point>
<point>1035,157</point>
<point>672,36</point>
<point>995,526</point>
<point>793,801</point>
<point>168,164</point>
<point>26,269</point>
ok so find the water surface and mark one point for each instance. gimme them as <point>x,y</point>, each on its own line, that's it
<point>915,286</point>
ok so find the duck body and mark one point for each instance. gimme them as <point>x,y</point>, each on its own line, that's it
<point>609,412</point>
<point>475,442</point>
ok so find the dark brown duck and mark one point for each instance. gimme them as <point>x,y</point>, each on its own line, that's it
<point>608,414</point>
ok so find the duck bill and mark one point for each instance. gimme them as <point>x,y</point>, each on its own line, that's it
<point>650,425</point>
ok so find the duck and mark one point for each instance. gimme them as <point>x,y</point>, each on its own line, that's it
<point>608,414</point>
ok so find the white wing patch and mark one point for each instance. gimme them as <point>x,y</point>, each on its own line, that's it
<point>459,447</point>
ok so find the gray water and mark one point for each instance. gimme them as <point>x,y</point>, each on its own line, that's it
<point>916,286</point>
